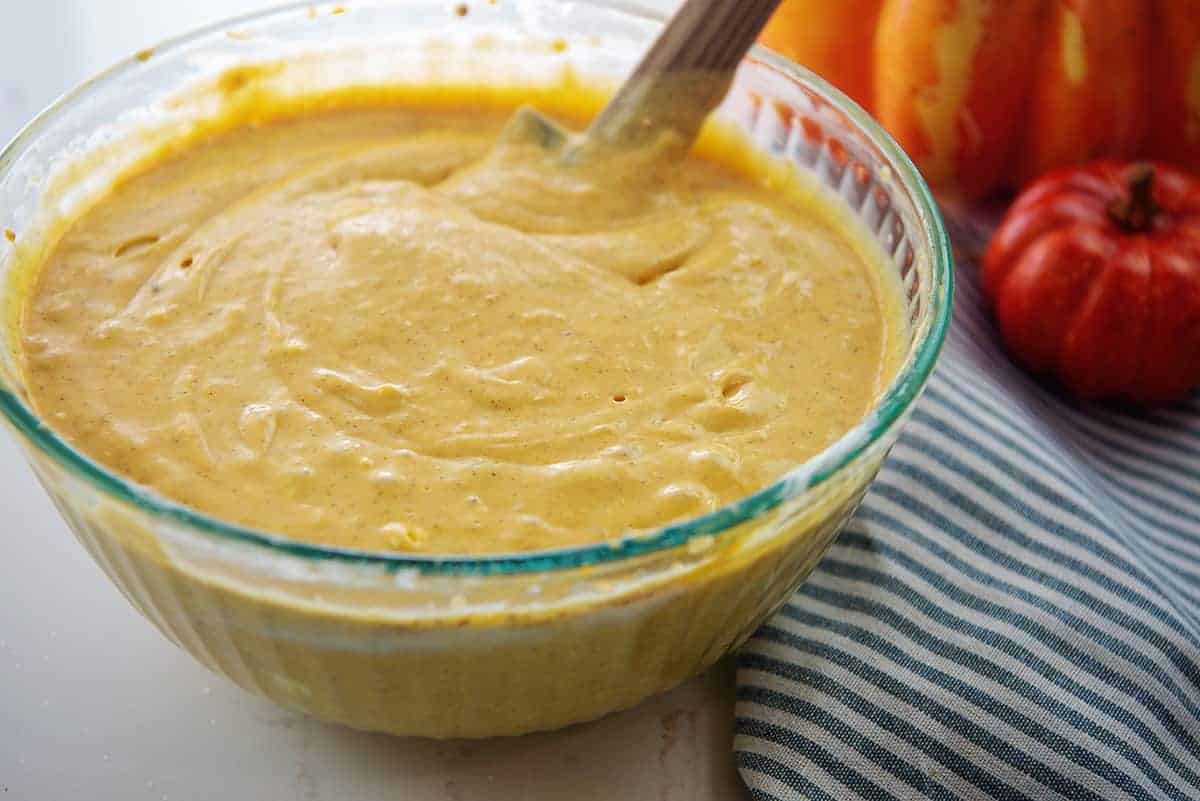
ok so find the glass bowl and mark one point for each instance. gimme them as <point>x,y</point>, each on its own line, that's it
<point>459,646</point>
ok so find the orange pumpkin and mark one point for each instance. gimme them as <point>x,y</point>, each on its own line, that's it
<point>986,95</point>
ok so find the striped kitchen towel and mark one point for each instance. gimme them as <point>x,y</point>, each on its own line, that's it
<point>1014,612</point>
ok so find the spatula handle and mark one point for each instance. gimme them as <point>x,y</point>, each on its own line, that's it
<point>686,73</point>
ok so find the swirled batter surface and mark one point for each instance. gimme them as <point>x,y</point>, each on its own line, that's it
<point>374,328</point>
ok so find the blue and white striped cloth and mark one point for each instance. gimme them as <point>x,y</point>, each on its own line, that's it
<point>1014,613</point>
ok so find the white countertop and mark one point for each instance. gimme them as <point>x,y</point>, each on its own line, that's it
<point>95,704</point>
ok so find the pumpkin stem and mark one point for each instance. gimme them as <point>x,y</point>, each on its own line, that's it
<point>1137,212</point>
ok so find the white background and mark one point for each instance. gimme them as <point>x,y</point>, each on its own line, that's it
<point>96,705</point>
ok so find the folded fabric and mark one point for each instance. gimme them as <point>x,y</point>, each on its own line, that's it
<point>1014,612</point>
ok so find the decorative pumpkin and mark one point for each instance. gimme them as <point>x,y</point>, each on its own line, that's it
<point>989,94</point>
<point>1094,276</point>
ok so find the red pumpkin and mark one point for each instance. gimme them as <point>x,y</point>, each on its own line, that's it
<point>1094,276</point>
<point>986,95</point>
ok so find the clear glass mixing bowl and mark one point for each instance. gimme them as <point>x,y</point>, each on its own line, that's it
<point>460,646</point>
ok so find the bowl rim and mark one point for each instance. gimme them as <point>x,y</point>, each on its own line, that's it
<point>888,411</point>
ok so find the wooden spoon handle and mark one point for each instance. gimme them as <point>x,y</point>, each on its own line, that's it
<point>708,35</point>
<point>686,73</point>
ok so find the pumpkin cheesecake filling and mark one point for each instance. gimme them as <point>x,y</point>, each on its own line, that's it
<point>390,328</point>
